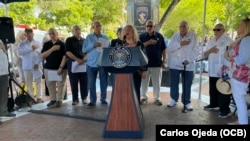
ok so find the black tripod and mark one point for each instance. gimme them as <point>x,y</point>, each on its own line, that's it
<point>11,101</point>
<point>12,79</point>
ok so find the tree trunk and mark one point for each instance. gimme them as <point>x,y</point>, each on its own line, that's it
<point>166,14</point>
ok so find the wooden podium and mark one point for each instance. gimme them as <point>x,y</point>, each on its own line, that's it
<point>125,118</point>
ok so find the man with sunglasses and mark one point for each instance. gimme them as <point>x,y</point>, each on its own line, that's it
<point>214,51</point>
<point>156,51</point>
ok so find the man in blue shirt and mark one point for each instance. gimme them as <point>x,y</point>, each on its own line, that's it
<point>93,47</point>
<point>156,51</point>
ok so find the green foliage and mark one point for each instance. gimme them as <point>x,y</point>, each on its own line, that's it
<point>67,13</point>
<point>193,12</point>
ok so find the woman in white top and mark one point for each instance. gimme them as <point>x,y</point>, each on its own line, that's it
<point>21,36</point>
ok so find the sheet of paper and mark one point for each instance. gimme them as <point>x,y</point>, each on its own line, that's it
<point>78,68</point>
<point>53,76</point>
<point>37,73</point>
<point>104,42</point>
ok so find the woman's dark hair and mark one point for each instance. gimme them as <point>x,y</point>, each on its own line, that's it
<point>119,30</point>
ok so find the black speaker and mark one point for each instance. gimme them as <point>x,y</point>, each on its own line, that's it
<point>7,34</point>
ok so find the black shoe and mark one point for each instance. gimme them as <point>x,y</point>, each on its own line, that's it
<point>224,115</point>
<point>209,107</point>
<point>75,102</point>
<point>158,102</point>
<point>10,115</point>
<point>91,104</point>
<point>51,103</point>
<point>104,102</point>
<point>143,101</point>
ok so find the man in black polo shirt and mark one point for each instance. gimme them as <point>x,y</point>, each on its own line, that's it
<point>73,47</point>
<point>55,61</point>
<point>156,51</point>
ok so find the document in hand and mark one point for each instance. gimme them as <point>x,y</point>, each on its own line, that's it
<point>53,76</point>
<point>37,73</point>
<point>104,43</point>
<point>78,68</point>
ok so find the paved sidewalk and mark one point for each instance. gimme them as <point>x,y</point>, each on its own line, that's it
<point>81,123</point>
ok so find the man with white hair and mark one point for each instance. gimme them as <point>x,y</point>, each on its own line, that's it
<point>183,50</point>
<point>215,50</point>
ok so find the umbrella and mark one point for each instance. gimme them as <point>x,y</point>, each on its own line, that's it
<point>10,1</point>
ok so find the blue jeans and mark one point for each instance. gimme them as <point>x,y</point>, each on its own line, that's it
<point>92,75</point>
<point>174,85</point>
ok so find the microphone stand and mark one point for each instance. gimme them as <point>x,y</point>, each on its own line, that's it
<point>124,43</point>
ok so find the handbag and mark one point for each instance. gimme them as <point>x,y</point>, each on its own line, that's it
<point>241,73</point>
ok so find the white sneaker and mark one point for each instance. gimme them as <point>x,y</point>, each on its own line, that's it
<point>189,107</point>
<point>171,103</point>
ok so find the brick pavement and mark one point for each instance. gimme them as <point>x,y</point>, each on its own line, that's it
<point>81,123</point>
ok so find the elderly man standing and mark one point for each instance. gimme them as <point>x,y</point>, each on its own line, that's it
<point>93,47</point>
<point>73,48</point>
<point>54,53</point>
<point>30,51</point>
<point>183,50</point>
<point>156,51</point>
<point>215,50</point>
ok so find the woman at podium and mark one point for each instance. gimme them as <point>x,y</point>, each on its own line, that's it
<point>131,39</point>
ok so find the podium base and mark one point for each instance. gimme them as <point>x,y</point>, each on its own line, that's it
<point>123,134</point>
<point>125,117</point>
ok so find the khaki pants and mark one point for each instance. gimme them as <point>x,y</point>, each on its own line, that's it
<point>56,88</point>
<point>29,81</point>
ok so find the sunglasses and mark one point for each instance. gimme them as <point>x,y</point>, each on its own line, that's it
<point>149,26</point>
<point>216,29</point>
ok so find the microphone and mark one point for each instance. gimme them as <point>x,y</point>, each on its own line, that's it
<point>202,59</point>
<point>124,40</point>
<point>124,37</point>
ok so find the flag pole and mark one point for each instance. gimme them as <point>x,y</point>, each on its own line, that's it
<point>202,43</point>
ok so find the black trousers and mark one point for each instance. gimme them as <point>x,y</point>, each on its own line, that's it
<point>137,84</point>
<point>218,99</point>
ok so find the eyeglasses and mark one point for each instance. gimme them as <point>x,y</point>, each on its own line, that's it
<point>216,29</point>
<point>149,26</point>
